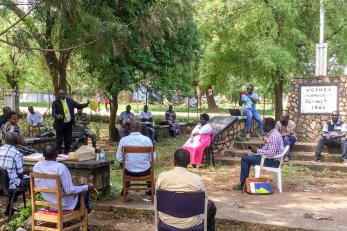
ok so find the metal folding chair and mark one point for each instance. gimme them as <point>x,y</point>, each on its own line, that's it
<point>11,194</point>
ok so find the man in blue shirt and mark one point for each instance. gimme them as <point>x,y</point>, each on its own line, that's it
<point>249,101</point>
<point>137,164</point>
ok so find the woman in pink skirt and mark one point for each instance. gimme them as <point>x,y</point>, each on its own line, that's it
<point>199,140</point>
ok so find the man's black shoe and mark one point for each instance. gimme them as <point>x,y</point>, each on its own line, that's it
<point>238,187</point>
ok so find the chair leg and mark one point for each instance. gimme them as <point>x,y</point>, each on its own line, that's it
<point>279,181</point>
<point>257,171</point>
<point>212,155</point>
<point>11,205</point>
<point>152,191</point>
<point>24,199</point>
<point>125,191</point>
<point>85,221</point>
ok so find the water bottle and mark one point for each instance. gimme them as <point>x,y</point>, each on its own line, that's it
<point>102,155</point>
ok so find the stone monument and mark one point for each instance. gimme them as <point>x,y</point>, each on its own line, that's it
<point>312,99</point>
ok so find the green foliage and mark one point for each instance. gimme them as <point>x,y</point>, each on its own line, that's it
<point>265,42</point>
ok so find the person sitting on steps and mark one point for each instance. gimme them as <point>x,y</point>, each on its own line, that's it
<point>333,133</point>
<point>249,100</point>
<point>287,129</point>
<point>272,148</point>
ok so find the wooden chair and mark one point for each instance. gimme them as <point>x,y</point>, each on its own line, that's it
<point>130,181</point>
<point>63,220</point>
<point>33,130</point>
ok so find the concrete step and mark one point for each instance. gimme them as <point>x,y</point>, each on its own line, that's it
<point>315,167</point>
<point>298,146</point>
<point>299,156</point>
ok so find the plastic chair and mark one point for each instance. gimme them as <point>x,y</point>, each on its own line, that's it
<point>11,194</point>
<point>128,181</point>
<point>62,219</point>
<point>180,205</point>
<point>271,169</point>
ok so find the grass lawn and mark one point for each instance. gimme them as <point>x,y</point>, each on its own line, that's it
<point>165,149</point>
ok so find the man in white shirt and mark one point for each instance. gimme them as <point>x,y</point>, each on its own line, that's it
<point>125,118</point>
<point>34,118</point>
<point>52,167</point>
<point>147,129</point>
<point>181,180</point>
<point>138,164</point>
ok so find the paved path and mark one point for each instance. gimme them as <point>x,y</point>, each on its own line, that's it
<point>288,209</point>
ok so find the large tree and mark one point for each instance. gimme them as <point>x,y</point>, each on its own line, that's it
<point>54,28</point>
<point>131,50</point>
<point>267,42</point>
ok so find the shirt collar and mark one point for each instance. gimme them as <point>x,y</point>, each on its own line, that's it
<point>271,131</point>
<point>135,133</point>
<point>338,121</point>
<point>180,169</point>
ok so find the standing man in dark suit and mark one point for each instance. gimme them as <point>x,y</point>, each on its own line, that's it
<point>64,115</point>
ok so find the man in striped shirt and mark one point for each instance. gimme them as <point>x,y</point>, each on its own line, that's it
<point>12,160</point>
<point>272,148</point>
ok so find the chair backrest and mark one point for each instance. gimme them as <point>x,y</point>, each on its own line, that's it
<point>4,180</point>
<point>180,204</point>
<point>57,190</point>
<point>135,150</point>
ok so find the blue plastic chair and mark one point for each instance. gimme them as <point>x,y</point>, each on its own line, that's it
<point>180,205</point>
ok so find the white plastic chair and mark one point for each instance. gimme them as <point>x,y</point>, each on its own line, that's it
<point>271,169</point>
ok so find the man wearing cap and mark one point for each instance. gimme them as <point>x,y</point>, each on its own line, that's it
<point>249,100</point>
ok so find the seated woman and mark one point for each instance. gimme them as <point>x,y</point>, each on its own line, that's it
<point>199,140</point>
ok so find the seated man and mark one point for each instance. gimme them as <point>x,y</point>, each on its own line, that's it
<point>148,129</point>
<point>52,167</point>
<point>35,118</point>
<point>12,126</point>
<point>249,100</point>
<point>181,180</point>
<point>12,160</point>
<point>170,119</point>
<point>333,133</point>
<point>135,164</point>
<point>4,117</point>
<point>82,120</point>
<point>287,129</point>
<point>272,148</point>
<point>125,118</point>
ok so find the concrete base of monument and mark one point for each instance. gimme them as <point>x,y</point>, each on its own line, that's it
<point>303,154</point>
<point>288,211</point>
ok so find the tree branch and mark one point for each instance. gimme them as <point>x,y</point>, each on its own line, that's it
<point>46,49</point>
<point>21,18</point>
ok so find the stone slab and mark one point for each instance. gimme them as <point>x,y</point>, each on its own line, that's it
<point>300,156</point>
<point>315,167</point>
<point>298,146</point>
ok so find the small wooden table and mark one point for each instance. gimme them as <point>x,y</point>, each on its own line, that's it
<point>96,172</point>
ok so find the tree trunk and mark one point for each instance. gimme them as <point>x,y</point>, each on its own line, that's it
<point>112,129</point>
<point>57,69</point>
<point>278,97</point>
<point>211,103</point>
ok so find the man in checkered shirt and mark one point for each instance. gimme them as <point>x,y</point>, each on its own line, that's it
<point>272,148</point>
<point>12,160</point>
